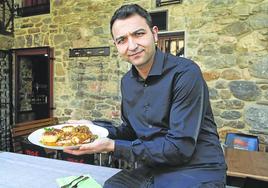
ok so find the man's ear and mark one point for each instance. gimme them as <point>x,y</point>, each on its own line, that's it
<point>155,33</point>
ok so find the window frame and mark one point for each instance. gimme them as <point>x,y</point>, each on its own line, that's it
<point>165,36</point>
<point>160,3</point>
<point>34,8</point>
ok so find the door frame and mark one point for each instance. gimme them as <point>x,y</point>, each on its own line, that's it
<point>28,52</point>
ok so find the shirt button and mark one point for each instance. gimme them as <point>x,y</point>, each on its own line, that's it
<point>145,85</point>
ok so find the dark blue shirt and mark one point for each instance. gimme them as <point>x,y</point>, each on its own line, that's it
<point>168,124</point>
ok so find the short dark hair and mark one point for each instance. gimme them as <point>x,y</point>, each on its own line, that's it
<point>126,11</point>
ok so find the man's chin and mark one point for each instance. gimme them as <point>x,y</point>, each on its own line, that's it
<point>134,62</point>
<point>138,65</point>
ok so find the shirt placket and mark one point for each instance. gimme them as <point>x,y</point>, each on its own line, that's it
<point>146,106</point>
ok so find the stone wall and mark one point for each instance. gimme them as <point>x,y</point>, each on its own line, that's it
<point>6,42</point>
<point>228,39</point>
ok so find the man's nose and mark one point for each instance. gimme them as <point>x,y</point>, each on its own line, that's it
<point>132,45</point>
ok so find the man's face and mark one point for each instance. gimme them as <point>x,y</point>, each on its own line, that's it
<point>134,40</point>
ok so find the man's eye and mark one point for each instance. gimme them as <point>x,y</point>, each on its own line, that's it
<point>139,34</point>
<point>121,41</point>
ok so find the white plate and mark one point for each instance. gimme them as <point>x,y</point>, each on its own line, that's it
<point>35,136</point>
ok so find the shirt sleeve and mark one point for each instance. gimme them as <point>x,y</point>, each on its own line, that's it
<point>188,106</point>
<point>124,131</point>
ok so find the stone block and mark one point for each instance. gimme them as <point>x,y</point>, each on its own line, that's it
<point>245,90</point>
<point>257,116</point>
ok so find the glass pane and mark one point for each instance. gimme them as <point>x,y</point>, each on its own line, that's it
<point>33,88</point>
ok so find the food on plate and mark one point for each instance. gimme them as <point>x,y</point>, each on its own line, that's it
<point>50,136</point>
<point>68,135</point>
<point>68,128</point>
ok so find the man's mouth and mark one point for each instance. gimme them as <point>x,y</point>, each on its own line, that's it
<point>136,53</point>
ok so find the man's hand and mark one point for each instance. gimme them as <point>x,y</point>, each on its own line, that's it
<point>98,146</point>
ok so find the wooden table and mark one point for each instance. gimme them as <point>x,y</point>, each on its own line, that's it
<point>24,171</point>
<point>243,164</point>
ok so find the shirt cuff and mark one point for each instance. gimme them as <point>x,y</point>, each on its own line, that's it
<point>123,149</point>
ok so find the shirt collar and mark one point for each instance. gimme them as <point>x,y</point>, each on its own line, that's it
<point>157,67</point>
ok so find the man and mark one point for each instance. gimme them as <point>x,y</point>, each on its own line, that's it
<point>168,125</point>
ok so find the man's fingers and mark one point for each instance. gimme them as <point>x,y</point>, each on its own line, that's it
<point>72,147</point>
<point>76,152</point>
<point>98,146</point>
<point>86,147</point>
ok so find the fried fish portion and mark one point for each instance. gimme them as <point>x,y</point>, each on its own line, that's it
<point>68,135</point>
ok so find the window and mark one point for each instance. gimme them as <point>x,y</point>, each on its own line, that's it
<point>172,42</point>
<point>159,19</point>
<point>33,7</point>
<point>166,2</point>
<point>33,83</point>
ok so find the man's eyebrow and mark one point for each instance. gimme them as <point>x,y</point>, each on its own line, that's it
<point>120,38</point>
<point>138,31</point>
<point>124,36</point>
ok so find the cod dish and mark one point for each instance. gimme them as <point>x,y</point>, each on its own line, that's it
<point>68,135</point>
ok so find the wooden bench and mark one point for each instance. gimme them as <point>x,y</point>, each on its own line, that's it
<point>21,130</point>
